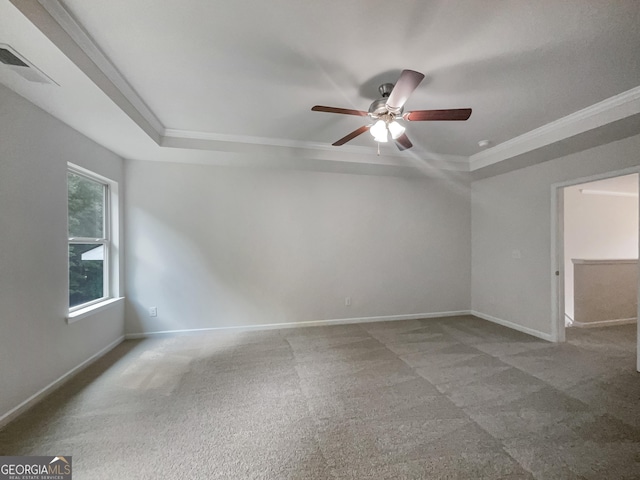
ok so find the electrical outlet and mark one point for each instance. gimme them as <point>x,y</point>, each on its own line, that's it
<point>153,311</point>
<point>347,301</point>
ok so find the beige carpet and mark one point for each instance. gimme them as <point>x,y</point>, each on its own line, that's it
<point>451,398</point>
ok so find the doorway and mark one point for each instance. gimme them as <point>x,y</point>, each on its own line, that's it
<point>596,259</point>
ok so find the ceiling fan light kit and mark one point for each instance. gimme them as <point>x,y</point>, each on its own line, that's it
<point>387,110</point>
<point>379,131</point>
<point>395,129</point>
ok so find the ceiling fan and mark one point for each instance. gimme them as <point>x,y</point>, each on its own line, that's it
<point>387,110</point>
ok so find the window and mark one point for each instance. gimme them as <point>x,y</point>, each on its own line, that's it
<point>89,243</point>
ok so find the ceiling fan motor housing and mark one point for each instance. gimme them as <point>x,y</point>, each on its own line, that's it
<point>379,107</point>
<point>385,89</point>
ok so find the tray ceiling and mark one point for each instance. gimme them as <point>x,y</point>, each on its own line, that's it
<point>235,76</point>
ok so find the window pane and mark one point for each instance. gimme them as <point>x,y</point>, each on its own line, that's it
<point>86,207</point>
<point>86,273</point>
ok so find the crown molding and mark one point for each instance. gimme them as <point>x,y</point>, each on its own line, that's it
<point>282,148</point>
<point>607,111</point>
<point>609,193</point>
<point>57,24</point>
<point>171,133</point>
<point>81,37</point>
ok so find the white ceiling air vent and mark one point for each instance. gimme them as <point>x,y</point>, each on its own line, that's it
<point>12,60</point>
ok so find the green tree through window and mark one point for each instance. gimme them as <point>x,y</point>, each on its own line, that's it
<point>87,239</point>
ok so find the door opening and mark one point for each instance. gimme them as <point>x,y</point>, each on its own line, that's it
<point>597,245</point>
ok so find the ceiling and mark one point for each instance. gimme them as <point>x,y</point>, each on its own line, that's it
<point>226,82</point>
<point>625,184</point>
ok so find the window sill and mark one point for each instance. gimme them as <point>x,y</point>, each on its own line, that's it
<point>90,310</point>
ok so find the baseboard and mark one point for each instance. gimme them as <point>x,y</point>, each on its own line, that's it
<point>36,397</point>
<point>604,323</point>
<point>567,317</point>
<point>311,323</point>
<point>515,326</point>
<point>346,321</point>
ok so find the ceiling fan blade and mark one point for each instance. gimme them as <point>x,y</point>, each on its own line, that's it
<point>406,84</point>
<point>352,135</point>
<point>403,142</point>
<point>438,115</point>
<point>344,111</point>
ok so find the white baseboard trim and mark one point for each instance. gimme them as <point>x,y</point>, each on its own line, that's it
<point>311,323</point>
<point>605,323</point>
<point>515,326</point>
<point>36,397</point>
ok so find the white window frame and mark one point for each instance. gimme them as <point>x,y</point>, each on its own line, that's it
<point>105,241</point>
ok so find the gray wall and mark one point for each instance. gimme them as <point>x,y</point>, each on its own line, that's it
<point>36,344</point>
<point>513,212</point>
<point>215,246</point>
